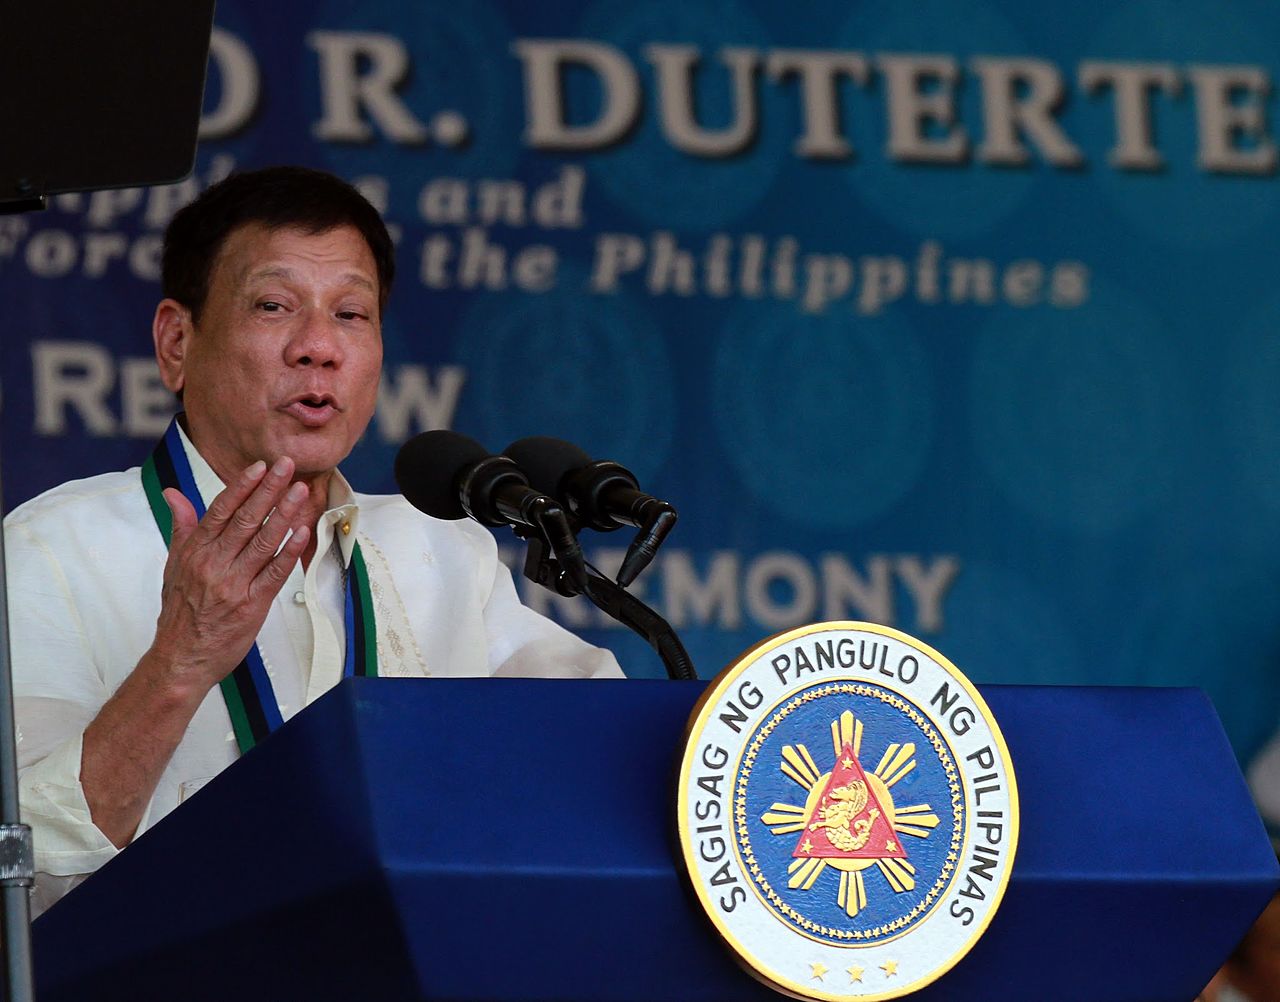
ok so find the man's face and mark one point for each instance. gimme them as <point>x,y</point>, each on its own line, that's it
<point>286,355</point>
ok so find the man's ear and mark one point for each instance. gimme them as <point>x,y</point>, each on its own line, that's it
<point>171,330</point>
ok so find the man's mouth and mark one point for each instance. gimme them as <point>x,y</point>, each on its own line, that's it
<point>313,410</point>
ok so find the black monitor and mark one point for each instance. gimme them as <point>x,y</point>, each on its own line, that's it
<point>99,93</point>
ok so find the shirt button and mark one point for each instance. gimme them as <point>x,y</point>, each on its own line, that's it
<point>299,598</point>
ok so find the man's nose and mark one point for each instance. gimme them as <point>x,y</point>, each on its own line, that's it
<point>315,342</point>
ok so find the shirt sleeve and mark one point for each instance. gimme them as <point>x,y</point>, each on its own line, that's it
<point>58,690</point>
<point>524,644</point>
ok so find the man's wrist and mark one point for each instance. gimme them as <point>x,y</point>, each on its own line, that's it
<point>172,683</point>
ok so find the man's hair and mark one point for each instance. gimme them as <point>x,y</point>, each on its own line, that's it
<point>277,198</point>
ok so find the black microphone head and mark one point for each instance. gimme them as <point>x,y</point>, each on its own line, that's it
<point>429,467</point>
<point>573,478</point>
<point>546,461</point>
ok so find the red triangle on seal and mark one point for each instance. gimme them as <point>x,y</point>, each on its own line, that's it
<point>848,821</point>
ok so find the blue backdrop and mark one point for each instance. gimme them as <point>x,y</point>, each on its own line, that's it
<point>957,317</point>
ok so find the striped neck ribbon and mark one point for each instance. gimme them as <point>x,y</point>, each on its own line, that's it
<point>251,701</point>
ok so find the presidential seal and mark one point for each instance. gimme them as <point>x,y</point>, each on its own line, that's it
<point>847,812</point>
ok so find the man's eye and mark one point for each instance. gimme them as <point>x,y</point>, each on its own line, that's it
<point>350,315</point>
<point>271,306</point>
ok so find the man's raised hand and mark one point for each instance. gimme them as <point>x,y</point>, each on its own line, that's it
<point>224,570</point>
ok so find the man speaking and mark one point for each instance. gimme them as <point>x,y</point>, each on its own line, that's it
<point>165,619</point>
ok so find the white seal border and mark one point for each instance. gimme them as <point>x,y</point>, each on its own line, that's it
<point>699,719</point>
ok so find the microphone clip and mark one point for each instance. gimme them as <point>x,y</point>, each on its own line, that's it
<point>542,567</point>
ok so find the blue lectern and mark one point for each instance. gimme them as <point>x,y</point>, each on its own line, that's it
<point>513,839</point>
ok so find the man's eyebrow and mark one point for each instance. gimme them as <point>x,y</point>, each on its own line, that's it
<point>289,275</point>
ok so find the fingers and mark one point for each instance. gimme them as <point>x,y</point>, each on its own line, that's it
<point>183,514</point>
<point>221,516</point>
<point>234,523</point>
<point>248,518</point>
<point>247,525</point>
<point>272,577</point>
<point>266,540</point>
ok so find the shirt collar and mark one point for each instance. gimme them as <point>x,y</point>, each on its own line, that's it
<point>342,507</point>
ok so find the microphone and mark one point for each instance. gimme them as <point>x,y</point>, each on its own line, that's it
<point>598,493</point>
<point>451,476</point>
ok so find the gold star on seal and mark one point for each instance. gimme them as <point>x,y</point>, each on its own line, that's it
<point>890,968</point>
<point>807,846</point>
<point>855,973</point>
<point>818,971</point>
<point>847,763</point>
